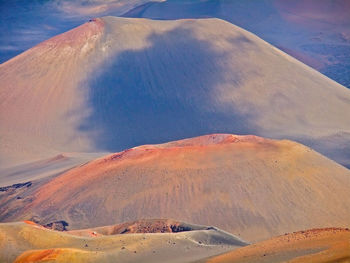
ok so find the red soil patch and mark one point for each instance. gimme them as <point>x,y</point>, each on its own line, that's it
<point>38,256</point>
<point>76,36</point>
<point>30,222</point>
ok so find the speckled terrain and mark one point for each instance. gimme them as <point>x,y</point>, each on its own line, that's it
<point>252,187</point>
<point>24,242</point>
<point>316,245</point>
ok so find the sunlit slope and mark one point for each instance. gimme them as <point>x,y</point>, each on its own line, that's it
<point>315,32</point>
<point>253,187</point>
<point>28,242</point>
<point>315,245</point>
<point>24,24</point>
<point>114,83</point>
<point>42,96</point>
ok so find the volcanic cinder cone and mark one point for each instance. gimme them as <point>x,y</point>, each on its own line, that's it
<point>115,83</point>
<point>249,186</point>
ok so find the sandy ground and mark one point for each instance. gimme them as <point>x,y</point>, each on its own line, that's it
<point>28,242</point>
<point>25,24</point>
<point>253,187</point>
<point>148,242</point>
<point>44,168</point>
<point>315,32</point>
<point>115,83</point>
<point>316,245</point>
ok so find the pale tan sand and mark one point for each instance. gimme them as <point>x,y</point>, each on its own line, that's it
<point>317,245</point>
<point>28,242</point>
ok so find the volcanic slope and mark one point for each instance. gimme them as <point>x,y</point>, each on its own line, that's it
<point>315,245</point>
<point>315,32</point>
<point>22,242</point>
<point>115,83</point>
<point>250,186</point>
<point>24,24</point>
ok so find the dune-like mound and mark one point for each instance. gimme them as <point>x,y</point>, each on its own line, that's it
<point>141,226</point>
<point>114,83</point>
<point>30,242</point>
<point>43,168</point>
<point>315,245</point>
<point>250,186</point>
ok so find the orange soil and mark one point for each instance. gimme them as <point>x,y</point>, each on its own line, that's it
<point>222,180</point>
<point>38,256</point>
<point>30,222</point>
<point>316,245</point>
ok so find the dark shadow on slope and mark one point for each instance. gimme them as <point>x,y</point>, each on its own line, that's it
<point>164,92</point>
<point>267,19</point>
<point>250,15</point>
<point>139,10</point>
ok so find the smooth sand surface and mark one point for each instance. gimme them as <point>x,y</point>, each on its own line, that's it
<point>44,168</point>
<point>314,32</point>
<point>115,83</point>
<point>252,187</point>
<point>29,242</point>
<point>309,246</point>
